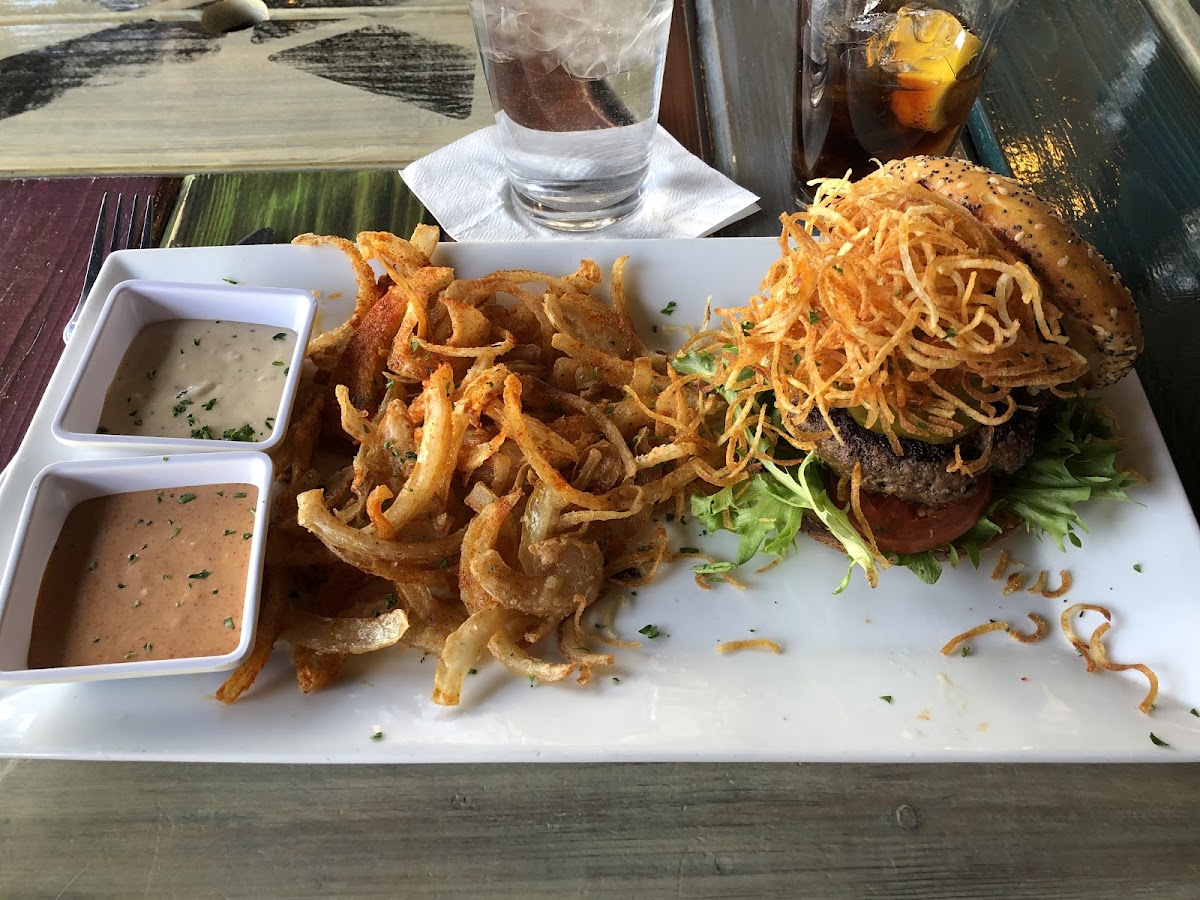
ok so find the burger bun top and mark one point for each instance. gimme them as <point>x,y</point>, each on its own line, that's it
<point>1099,314</point>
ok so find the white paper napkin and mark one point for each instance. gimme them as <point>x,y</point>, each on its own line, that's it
<point>465,186</point>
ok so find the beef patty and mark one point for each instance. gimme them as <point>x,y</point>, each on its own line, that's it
<point>920,475</point>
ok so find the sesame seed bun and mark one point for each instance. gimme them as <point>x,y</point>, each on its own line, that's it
<point>1100,317</point>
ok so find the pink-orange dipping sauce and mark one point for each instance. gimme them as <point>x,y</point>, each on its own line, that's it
<point>158,574</point>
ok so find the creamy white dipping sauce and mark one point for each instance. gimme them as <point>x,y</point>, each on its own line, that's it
<point>191,378</point>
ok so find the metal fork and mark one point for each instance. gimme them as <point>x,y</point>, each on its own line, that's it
<point>131,238</point>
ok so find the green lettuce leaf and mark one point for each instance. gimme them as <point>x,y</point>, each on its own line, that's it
<point>767,510</point>
<point>698,362</point>
<point>1074,460</point>
<point>925,565</point>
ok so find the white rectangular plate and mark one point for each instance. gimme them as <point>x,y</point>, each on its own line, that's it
<point>676,698</point>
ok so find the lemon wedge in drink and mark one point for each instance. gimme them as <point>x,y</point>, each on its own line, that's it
<point>925,50</point>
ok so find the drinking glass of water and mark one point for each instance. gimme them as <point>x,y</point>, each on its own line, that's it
<point>575,86</point>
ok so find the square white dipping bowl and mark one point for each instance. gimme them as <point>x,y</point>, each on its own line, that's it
<point>57,490</point>
<point>135,304</point>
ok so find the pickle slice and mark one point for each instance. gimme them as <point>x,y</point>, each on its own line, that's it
<point>859,415</point>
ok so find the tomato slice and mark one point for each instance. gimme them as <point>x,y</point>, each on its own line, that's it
<point>903,527</point>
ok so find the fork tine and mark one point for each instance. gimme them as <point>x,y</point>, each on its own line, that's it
<point>95,260</point>
<point>129,229</point>
<point>96,257</point>
<point>115,243</point>
<point>147,236</point>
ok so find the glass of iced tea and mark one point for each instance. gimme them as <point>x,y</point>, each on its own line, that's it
<point>884,79</point>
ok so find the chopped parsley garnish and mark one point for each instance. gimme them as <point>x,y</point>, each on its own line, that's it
<point>180,408</point>
<point>279,337</point>
<point>175,531</point>
<point>669,308</point>
<point>747,327</point>
<point>228,531</point>
<point>1137,567</point>
<point>616,680</point>
<point>269,421</point>
<point>92,565</point>
<point>186,498</point>
<point>150,375</point>
<point>689,549</point>
<point>147,646</point>
<point>245,433</point>
<point>246,535</point>
<point>951,332</point>
<point>377,735</point>
<point>120,586</point>
<point>391,600</point>
<point>101,430</point>
<point>240,495</point>
<point>886,698</point>
<point>1157,741</point>
<point>129,654</point>
<point>229,622</point>
<point>966,651</point>
<point>137,603</point>
<point>813,317</point>
<point>650,631</point>
<point>203,433</point>
<point>210,404</point>
<point>131,557</point>
<point>231,281</point>
<point>158,495</point>
<point>278,362</point>
<point>196,342</point>
<point>203,573</point>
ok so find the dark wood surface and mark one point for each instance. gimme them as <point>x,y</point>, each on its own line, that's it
<point>45,239</point>
<point>70,829</point>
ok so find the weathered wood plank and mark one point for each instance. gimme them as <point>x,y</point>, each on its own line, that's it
<point>315,87</point>
<point>85,88</point>
<point>599,831</point>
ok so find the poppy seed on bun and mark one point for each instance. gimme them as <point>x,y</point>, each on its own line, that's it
<point>1099,311</point>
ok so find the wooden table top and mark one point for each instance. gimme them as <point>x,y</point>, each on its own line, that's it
<point>1098,113</point>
